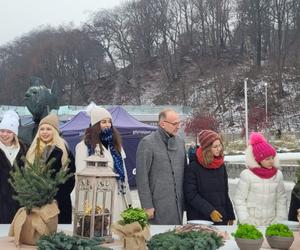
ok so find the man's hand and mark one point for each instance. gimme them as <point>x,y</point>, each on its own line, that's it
<point>150,213</point>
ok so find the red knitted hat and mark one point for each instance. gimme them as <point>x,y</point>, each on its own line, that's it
<point>260,147</point>
<point>207,137</point>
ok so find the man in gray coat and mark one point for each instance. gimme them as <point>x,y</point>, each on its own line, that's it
<point>160,166</point>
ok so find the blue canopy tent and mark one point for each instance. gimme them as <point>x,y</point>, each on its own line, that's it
<point>131,130</point>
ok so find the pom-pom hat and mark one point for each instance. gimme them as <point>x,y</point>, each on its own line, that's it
<point>10,121</point>
<point>261,149</point>
<point>97,113</point>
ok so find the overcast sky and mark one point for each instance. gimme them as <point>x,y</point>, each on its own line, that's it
<point>21,16</point>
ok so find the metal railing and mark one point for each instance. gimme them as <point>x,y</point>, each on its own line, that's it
<point>288,171</point>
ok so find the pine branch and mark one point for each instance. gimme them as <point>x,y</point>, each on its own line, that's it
<point>37,184</point>
<point>61,241</point>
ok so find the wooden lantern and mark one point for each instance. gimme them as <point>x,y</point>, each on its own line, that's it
<point>94,197</point>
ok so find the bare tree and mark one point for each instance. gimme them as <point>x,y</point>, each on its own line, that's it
<point>67,55</point>
<point>280,11</point>
<point>255,17</point>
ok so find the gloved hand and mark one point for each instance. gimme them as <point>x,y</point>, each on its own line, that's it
<point>216,216</point>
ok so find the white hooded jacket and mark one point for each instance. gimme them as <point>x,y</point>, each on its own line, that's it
<point>259,201</point>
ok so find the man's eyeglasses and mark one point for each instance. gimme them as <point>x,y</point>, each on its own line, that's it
<point>173,123</point>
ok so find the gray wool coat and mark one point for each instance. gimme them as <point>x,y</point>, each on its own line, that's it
<point>159,176</point>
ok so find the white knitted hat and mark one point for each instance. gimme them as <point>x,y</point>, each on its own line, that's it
<point>97,113</point>
<point>10,121</point>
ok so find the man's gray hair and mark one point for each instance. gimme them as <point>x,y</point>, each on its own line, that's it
<point>163,114</point>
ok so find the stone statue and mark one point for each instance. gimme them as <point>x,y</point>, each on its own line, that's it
<point>40,101</point>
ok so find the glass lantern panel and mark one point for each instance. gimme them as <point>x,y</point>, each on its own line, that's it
<point>102,219</point>
<point>102,164</point>
<point>102,207</point>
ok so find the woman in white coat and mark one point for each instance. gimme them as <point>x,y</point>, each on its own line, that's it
<point>260,197</point>
<point>103,133</point>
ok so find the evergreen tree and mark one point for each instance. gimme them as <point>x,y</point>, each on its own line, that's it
<point>37,183</point>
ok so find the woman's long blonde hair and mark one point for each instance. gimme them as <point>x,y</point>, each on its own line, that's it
<point>59,142</point>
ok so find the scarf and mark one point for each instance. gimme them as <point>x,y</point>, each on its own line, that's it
<point>10,152</point>
<point>216,163</point>
<point>106,138</point>
<point>169,140</point>
<point>264,173</point>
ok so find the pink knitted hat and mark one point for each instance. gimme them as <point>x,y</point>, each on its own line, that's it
<point>260,147</point>
<point>207,137</point>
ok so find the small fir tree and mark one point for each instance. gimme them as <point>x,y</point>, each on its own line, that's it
<point>37,183</point>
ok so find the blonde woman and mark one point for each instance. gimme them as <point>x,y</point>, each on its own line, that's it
<point>48,144</point>
<point>11,151</point>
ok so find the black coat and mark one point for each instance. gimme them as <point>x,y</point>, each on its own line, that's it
<point>206,190</point>
<point>8,206</point>
<point>63,197</point>
<point>295,204</point>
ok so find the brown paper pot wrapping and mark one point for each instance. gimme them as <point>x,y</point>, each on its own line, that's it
<point>133,236</point>
<point>27,228</point>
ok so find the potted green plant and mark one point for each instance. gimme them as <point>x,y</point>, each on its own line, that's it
<point>133,229</point>
<point>248,237</point>
<point>279,236</point>
<point>131,215</point>
<point>36,186</point>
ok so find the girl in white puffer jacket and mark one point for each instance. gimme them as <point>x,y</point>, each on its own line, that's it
<point>260,197</point>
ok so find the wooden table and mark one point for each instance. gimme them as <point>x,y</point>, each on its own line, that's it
<point>6,243</point>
